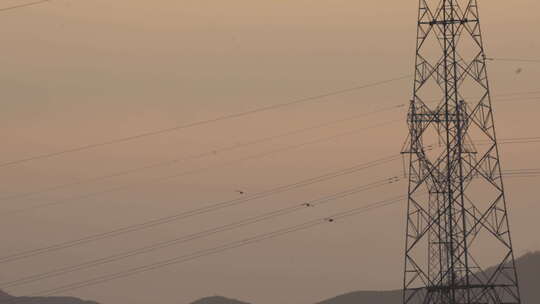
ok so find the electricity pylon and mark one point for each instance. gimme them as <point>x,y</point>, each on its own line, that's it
<point>457,221</point>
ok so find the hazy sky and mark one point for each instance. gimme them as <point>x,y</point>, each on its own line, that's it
<point>79,72</point>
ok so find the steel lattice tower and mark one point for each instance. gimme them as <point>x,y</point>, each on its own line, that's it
<point>457,221</point>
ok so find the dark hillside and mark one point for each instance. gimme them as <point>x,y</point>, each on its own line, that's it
<point>218,300</point>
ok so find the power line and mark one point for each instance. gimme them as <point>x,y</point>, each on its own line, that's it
<point>196,211</point>
<point>522,140</point>
<point>195,156</point>
<point>518,93</point>
<point>215,250</point>
<point>201,122</point>
<point>347,171</point>
<point>522,173</point>
<point>221,150</point>
<point>510,140</point>
<point>203,154</point>
<point>198,235</point>
<point>9,8</point>
<point>184,173</point>
<point>517,99</point>
<point>523,170</point>
<point>193,124</point>
<point>499,100</point>
<point>532,172</point>
<point>523,176</point>
<point>515,60</point>
<point>205,209</point>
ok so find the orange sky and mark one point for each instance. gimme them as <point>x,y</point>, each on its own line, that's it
<point>77,72</point>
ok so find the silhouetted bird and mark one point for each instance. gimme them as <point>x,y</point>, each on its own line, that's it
<point>240,191</point>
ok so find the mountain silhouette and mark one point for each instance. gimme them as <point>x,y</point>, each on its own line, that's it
<point>528,267</point>
<point>4,295</point>
<point>361,297</point>
<point>43,300</point>
<point>529,277</point>
<point>218,300</point>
